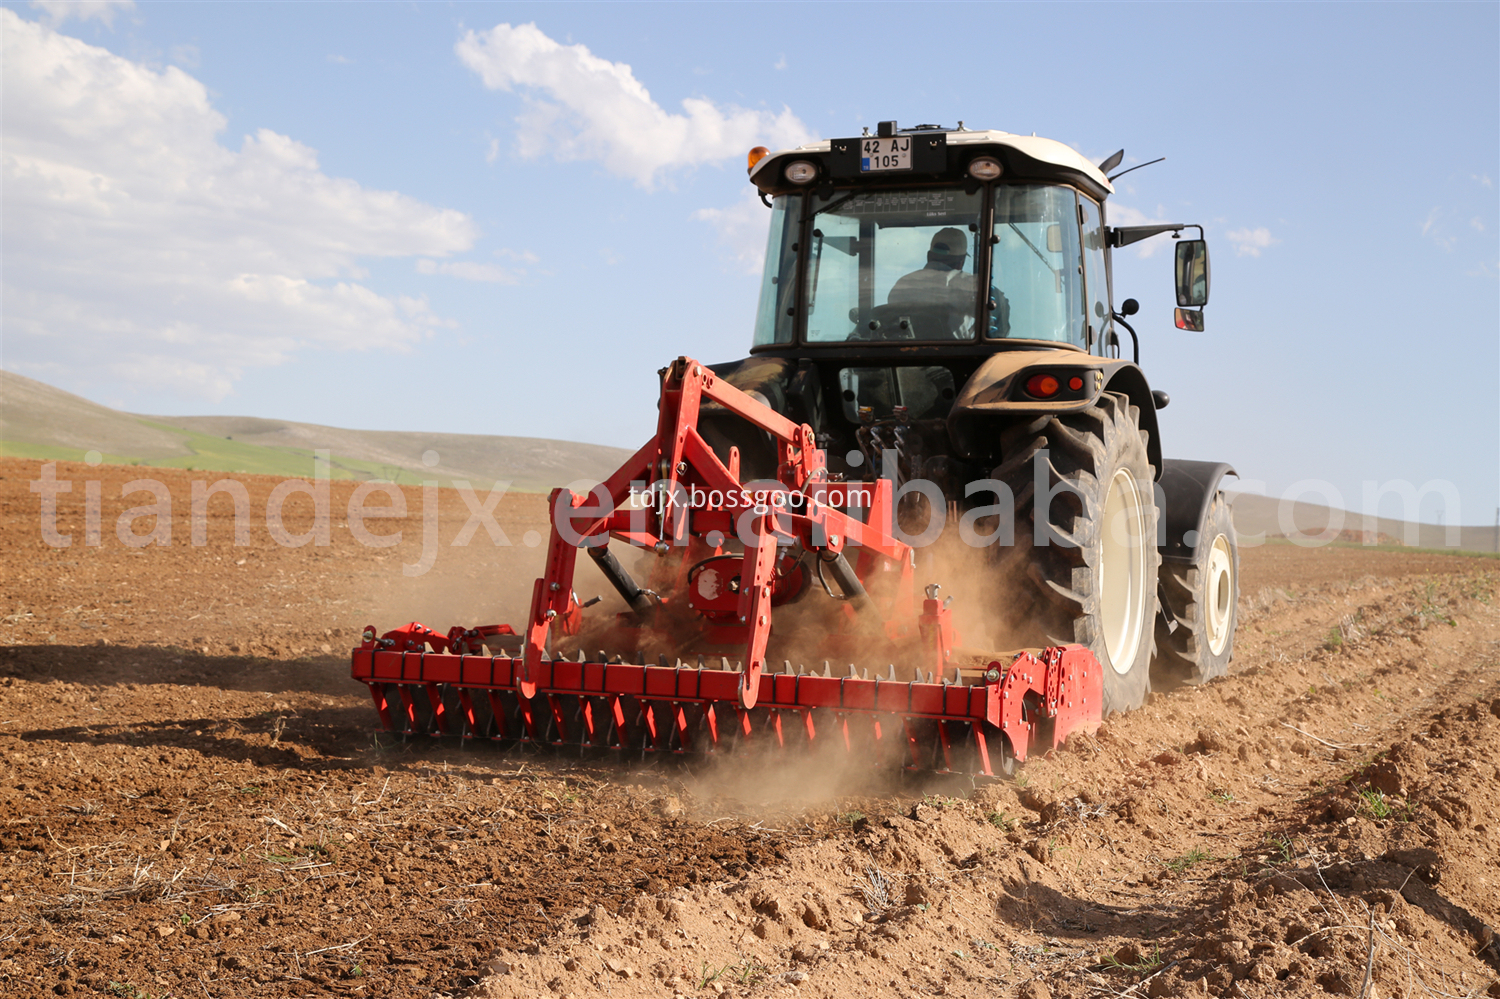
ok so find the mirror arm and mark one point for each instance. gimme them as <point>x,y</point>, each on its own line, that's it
<point>1126,234</point>
<point>1135,341</point>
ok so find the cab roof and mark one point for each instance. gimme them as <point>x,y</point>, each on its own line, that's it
<point>1024,157</point>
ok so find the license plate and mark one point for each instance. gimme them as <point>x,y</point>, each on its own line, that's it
<point>885,154</point>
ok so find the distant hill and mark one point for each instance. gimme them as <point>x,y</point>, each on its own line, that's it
<point>39,421</point>
<point>1255,515</point>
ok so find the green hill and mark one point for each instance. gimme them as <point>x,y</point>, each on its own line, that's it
<point>39,421</point>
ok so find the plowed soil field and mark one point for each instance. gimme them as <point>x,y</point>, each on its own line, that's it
<point>195,800</point>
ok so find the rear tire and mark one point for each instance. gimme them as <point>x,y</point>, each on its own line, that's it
<point>1093,579</point>
<point>1201,599</point>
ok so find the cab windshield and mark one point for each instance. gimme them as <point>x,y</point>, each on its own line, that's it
<point>937,265</point>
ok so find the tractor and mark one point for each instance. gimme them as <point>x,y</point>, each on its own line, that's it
<point>936,395</point>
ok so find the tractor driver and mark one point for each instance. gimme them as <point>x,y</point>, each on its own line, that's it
<point>944,287</point>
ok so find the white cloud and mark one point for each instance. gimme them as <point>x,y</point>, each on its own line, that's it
<point>1435,229</point>
<point>582,107</point>
<point>1249,242</point>
<point>138,248</point>
<point>469,271</point>
<point>58,11</point>
<point>742,230</point>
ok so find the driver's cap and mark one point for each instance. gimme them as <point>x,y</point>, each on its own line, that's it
<point>950,242</point>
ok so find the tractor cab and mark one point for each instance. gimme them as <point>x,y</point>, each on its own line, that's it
<point>945,275</point>
<point>933,237</point>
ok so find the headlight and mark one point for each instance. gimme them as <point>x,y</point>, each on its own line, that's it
<point>800,172</point>
<point>984,168</point>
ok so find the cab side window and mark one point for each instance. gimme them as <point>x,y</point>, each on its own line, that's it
<point>1095,274</point>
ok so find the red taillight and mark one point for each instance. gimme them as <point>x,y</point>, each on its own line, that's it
<point>1042,386</point>
<point>1075,383</point>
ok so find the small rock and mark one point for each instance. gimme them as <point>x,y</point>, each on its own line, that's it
<point>115,938</point>
<point>1034,989</point>
<point>917,893</point>
<point>1385,777</point>
<point>796,977</point>
<point>805,953</point>
<point>1161,986</point>
<point>499,967</point>
<point>225,918</point>
<point>1208,741</point>
<point>768,905</point>
<point>163,930</point>
<point>1128,954</point>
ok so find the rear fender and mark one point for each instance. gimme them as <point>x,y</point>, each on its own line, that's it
<point>993,395</point>
<point>1184,490</point>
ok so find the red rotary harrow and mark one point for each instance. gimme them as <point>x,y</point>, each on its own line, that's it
<point>743,551</point>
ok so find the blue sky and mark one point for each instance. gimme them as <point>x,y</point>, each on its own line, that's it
<point>503,218</point>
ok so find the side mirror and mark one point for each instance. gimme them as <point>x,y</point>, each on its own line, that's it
<point>1192,274</point>
<point>1190,320</point>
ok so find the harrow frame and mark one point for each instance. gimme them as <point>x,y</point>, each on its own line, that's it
<point>946,715</point>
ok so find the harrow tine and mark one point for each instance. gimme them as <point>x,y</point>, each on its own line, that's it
<point>439,709</point>
<point>468,721</point>
<point>382,705</point>
<point>410,709</point>
<point>497,714</point>
<point>711,722</point>
<point>984,751</point>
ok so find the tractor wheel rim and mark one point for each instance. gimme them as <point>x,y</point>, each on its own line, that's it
<point>1219,595</point>
<point>1122,571</point>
